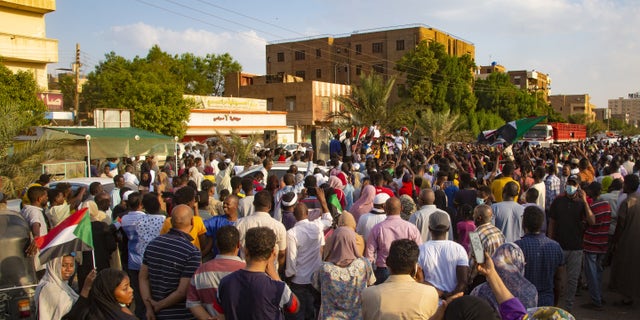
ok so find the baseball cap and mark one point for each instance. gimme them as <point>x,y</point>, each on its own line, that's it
<point>574,178</point>
<point>439,221</point>
<point>126,195</point>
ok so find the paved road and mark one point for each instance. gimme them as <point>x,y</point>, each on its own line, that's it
<point>610,312</point>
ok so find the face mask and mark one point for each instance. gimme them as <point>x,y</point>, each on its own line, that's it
<point>479,201</point>
<point>571,190</point>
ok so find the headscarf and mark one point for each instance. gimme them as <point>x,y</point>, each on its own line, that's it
<point>470,308</point>
<point>163,182</point>
<point>54,296</point>
<point>95,213</point>
<point>549,313</point>
<point>343,248</point>
<point>408,206</point>
<point>364,204</point>
<point>336,183</point>
<point>509,263</point>
<point>346,220</point>
<point>103,301</point>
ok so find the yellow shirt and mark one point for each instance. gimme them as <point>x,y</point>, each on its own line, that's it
<point>498,185</point>
<point>197,230</point>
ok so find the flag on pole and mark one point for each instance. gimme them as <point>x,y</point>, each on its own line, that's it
<point>72,234</point>
<point>510,132</point>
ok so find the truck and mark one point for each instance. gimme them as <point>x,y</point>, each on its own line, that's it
<point>546,134</point>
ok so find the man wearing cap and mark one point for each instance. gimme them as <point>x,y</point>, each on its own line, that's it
<point>421,217</point>
<point>375,216</point>
<point>287,203</point>
<point>443,263</point>
<point>385,232</point>
<point>567,216</point>
<point>223,178</point>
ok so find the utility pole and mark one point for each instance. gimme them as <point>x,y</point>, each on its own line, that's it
<point>76,101</point>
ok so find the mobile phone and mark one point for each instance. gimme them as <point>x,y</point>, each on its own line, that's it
<point>476,246</point>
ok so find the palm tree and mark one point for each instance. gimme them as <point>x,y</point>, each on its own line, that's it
<point>235,144</point>
<point>366,103</point>
<point>442,127</point>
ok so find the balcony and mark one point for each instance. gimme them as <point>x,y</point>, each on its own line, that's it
<point>28,49</point>
<point>39,6</point>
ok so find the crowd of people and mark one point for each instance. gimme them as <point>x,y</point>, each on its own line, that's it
<point>381,230</point>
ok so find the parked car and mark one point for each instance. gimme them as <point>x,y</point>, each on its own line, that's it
<point>280,169</point>
<point>17,272</point>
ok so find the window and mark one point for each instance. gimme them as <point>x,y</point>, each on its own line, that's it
<point>318,53</point>
<point>358,49</point>
<point>280,56</point>
<point>358,70</point>
<point>376,47</point>
<point>318,73</point>
<point>269,103</point>
<point>399,45</point>
<point>299,55</point>
<point>290,103</point>
<point>325,102</point>
<point>300,74</point>
<point>378,68</point>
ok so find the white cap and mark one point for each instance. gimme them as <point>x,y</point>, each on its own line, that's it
<point>381,198</point>
<point>126,195</point>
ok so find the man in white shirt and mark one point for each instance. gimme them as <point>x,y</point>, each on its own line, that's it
<point>304,256</point>
<point>129,177</point>
<point>443,263</point>
<point>245,205</point>
<point>421,217</point>
<point>369,220</point>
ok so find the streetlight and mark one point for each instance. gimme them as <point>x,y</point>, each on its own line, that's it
<point>88,139</point>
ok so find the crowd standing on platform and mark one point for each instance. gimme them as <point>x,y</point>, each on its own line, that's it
<point>379,230</point>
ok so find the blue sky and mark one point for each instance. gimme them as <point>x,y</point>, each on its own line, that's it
<point>586,46</point>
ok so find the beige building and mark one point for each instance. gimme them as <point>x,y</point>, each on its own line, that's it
<point>23,42</point>
<point>343,59</point>
<point>627,109</point>
<point>568,105</point>
<point>532,81</point>
<point>484,71</point>
<point>307,103</point>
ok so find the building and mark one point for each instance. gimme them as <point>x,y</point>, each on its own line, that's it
<point>306,103</point>
<point>532,81</point>
<point>602,114</point>
<point>568,105</point>
<point>23,42</point>
<point>484,71</point>
<point>222,115</point>
<point>343,59</point>
<point>626,109</point>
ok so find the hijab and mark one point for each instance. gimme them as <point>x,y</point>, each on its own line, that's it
<point>336,183</point>
<point>103,300</point>
<point>95,213</point>
<point>408,206</point>
<point>364,204</point>
<point>54,296</point>
<point>343,249</point>
<point>346,220</point>
<point>509,263</point>
<point>470,308</point>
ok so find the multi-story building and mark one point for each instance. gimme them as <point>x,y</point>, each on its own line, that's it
<point>23,42</point>
<point>602,114</point>
<point>627,109</point>
<point>532,81</point>
<point>307,103</point>
<point>484,71</point>
<point>568,105</point>
<point>343,59</point>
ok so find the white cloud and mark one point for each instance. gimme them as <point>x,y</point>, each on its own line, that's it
<point>135,39</point>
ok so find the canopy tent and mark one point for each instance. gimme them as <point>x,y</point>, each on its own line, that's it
<point>111,142</point>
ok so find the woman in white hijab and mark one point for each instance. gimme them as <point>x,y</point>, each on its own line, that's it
<point>54,297</point>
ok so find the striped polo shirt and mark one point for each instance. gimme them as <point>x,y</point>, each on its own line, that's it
<point>204,283</point>
<point>596,237</point>
<point>170,257</point>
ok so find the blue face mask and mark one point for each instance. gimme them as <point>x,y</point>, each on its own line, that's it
<point>571,190</point>
<point>479,201</point>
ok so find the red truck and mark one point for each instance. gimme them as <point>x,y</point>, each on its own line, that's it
<point>547,134</point>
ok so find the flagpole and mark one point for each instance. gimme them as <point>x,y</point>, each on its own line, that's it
<point>93,255</point>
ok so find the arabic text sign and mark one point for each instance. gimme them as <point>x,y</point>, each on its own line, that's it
<point>53,101</point>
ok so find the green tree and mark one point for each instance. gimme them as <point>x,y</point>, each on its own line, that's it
<point>145,85</point>
<point>242,147</point>
<point>205,75</point>
<point>19,163</point>
<point>442,127</point>
<point>438,80</point>
<point>367,103</point>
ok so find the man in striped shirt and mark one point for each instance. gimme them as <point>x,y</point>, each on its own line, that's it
<point>167,267</point>
<point>204,284</point>
<point>595,244</point>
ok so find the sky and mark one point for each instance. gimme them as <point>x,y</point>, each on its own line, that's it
<point>585,46</point>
